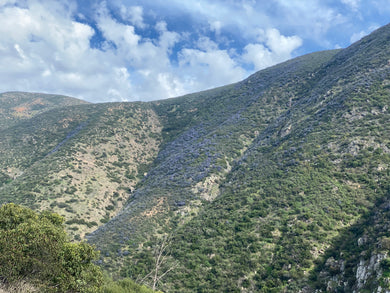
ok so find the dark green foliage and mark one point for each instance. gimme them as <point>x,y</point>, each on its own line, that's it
<point>81,222</point>
<point>125,286</point>
<point>34,247</point>
<point>313,166</point>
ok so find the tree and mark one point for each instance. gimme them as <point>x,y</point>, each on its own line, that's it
<point>34,247</point>
<point>162,265</point>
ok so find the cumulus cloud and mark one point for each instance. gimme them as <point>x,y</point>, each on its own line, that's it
<point>48,50</point>
<point>274,48</point>
<point>208,66</point>
<point>154,49</point>
<point>146,60</point>
<point>134,14</point>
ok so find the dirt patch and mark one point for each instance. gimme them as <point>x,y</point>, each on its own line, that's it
<point>154,210</point>
<point>20,109</point>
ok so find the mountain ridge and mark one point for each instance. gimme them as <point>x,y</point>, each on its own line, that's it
<point>254,184</point>
<point>17,106</point>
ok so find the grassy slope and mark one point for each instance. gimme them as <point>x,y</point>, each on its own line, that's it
<point>104,151</point>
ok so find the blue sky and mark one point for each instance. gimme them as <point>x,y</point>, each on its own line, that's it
<point>128,50</point>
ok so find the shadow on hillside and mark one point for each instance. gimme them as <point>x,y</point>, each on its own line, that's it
<point>336,270</point>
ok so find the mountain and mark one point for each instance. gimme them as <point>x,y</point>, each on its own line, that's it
<point>17,106</point>
<point>80,161</point>
<point>278,183</point>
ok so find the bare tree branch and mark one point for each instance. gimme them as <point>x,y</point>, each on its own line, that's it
<point>160,269</point>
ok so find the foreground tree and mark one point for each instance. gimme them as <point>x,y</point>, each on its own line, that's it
<point>34,248</point>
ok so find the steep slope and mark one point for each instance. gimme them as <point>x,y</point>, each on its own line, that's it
<point>204,134</point>
<point>17,106</point>
<point>80,161</point>
<point>313,172</point>
<point>358,259</point>
<point>278,183</point>
<point>265,176</point>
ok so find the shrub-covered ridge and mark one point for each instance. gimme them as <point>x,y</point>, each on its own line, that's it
<point>256,184</point>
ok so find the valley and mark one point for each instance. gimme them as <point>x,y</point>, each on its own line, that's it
<point>277,183</point>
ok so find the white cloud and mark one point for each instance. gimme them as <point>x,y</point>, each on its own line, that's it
<point>280,45</point>
<point>148,53</point>
<point>205,69</point>
<point>277,48</point>
<point>134,14</point>
<point>313,18</point>
<point>150,69</point>
<point>216,26</point>
<point>352,4</point>
<point>357,36</point>
<point>120,34</point>
<point>48,51</point>
<point>167,38</point>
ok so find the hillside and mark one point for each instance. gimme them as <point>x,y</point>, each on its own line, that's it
<point>278,183</point>
<point>17,106</point>
<point>307,177</point>
<point>80,161</point>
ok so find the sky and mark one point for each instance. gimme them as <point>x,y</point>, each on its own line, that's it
<point>143,50</point>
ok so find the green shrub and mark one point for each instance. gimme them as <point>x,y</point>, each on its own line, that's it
<point>35,247</point>
<point>125,286</point>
